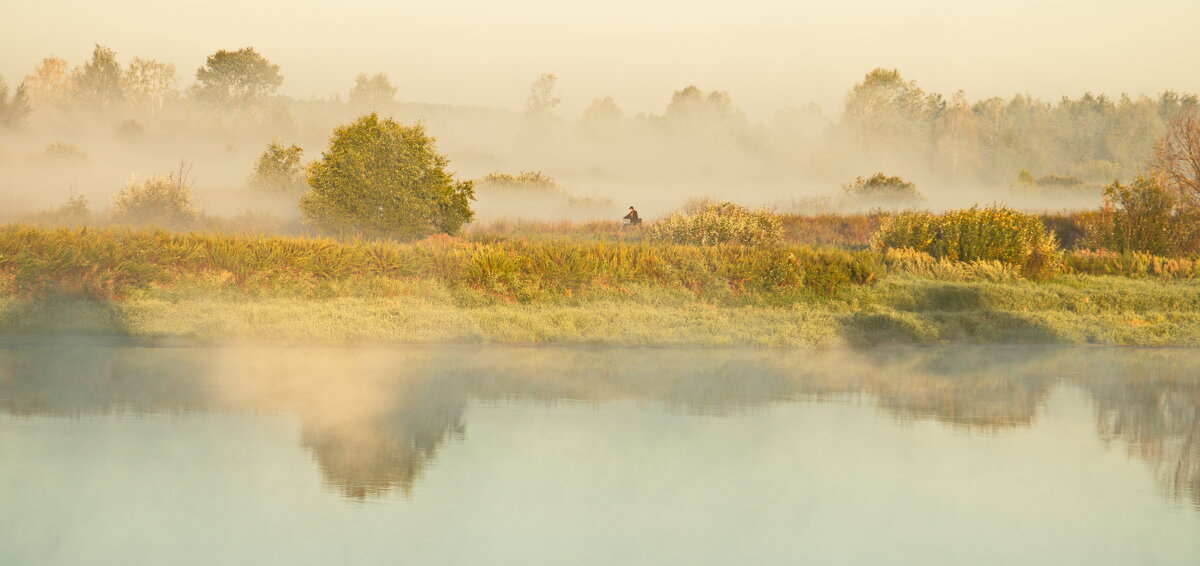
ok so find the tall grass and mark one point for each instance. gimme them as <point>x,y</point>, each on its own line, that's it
<point>108,263</point>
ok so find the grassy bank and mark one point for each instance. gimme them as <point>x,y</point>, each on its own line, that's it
<point>153,283</point>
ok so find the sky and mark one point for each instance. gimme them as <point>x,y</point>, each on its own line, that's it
<point>766,53</point>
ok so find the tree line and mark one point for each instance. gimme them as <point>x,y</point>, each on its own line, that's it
<point>885,118</point>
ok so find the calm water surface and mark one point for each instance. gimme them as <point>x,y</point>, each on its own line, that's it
<point>123,454</point>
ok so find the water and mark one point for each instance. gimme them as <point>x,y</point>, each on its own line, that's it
<point>115,453</point>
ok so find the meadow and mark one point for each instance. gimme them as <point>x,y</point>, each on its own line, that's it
<point>507,285</point>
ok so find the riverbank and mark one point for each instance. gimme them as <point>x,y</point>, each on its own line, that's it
<point>899,310</point>
<point>155,284</point>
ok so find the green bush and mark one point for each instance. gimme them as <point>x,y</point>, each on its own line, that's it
<point>64,152</point>
<point>378,178</point>
<point>975,234</point>
<point>1143,216</point>
<point>1053,183</point>
<point>534,181</point>
<point>279,169</point>
<point>158,200</point>
<point>880,187</point>
<point>720,223</point>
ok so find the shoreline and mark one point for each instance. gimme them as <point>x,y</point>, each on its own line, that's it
<point>403,321</point>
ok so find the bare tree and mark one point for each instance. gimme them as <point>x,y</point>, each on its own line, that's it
<point>1177,157</point>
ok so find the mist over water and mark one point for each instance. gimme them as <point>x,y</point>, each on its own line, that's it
<point>908,445</point>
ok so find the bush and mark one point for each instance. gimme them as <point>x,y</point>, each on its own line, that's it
<point>63,151</point>
<point>379,178</point>
<point>74,213</point>
<point>160,200</point>
<point>720,223</point>
<point>1145,217</point>
<point>975,234</point>
<point>130,131</point>
<point>882,188</point>
<point>1052,183</point>
<point>279,170</point>
<point>1069,228</point>
<point>535,181</point>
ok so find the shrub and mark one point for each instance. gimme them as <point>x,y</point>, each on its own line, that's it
<point>1052,183</point>
<point>525,181</point>
<point>160,200</point>
<point>1070,229</point>
<point>1145,217</point>
<point>720,223</point>
<point>279,170</point>
<point>75,212</point>
<point>975,234</point>
<point>130,131</point>
<point>379,178</point>
<point>880,187</point>
<point>63,151</point>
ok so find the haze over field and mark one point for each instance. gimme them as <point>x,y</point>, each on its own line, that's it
<point>766,53</point>
<point>776,118</point>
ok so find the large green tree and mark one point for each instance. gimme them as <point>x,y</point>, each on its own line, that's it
<point>382,179</point>
<point>238,77</point>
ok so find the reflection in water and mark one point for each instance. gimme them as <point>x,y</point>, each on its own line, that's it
<point>373,418</point>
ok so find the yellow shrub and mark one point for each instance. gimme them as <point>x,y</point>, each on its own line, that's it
<point>975,234</point>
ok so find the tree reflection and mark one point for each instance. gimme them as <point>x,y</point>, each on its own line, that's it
<point>375,418</point>
<point>1152,406</point>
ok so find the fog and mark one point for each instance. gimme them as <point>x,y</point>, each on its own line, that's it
<point>783,111</point>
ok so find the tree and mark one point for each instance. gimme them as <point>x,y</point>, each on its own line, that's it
<point>1177,157</point>
<point>603,118</point>
<point>885,107</point>
<point>98,83</point>
<point>541,102</point>
<point>50,85</point>
<point>383,179</point>
<point>693,112</point>
<point>279,169</point>
<point>1144,216</point>
<point>13,111</point>
<point>956,136</point>
<point>371,91</point>
<point>149,84</point>
<point>239,77</point>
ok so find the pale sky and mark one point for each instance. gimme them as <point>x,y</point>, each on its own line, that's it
<point>766,53</point>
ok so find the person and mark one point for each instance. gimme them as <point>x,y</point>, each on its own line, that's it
<point>633,217</point>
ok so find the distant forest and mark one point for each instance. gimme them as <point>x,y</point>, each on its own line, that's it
<point>888,123</point>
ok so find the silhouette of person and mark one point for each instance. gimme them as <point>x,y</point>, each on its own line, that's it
<point>633,217</point>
